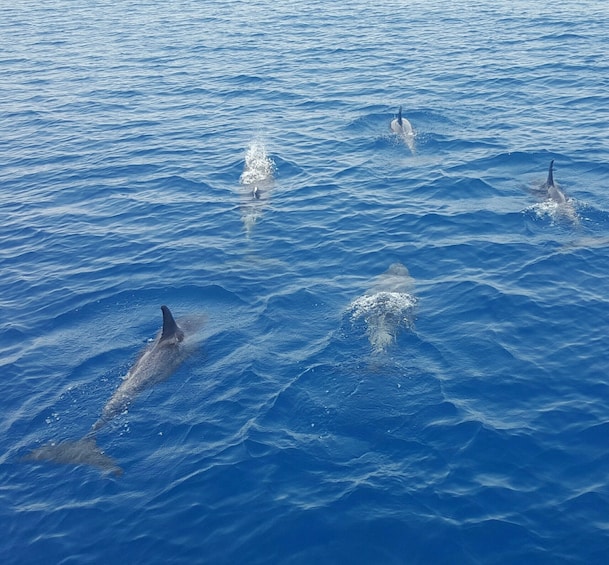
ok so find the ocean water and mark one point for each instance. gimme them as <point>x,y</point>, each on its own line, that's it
<point>403,356</point>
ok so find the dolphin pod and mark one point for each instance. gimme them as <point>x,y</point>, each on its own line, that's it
<point>155,363</point>
<point>385,308</point>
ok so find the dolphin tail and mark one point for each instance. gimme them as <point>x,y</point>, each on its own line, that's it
<point>550,181</point>
<point>84,451</point>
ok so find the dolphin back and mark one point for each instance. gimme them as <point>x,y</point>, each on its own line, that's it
<point>156,363</point>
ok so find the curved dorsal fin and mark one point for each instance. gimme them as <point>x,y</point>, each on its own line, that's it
<point>171,330</point>
<point>400,116</point>
<point>550,181</point>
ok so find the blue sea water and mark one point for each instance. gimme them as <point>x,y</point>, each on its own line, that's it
<point>234,160</point>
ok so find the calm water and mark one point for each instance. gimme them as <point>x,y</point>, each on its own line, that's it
<point>403,358</point>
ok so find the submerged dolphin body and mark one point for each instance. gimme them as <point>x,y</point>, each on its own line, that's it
<point>156,363</point>
<point>553,189</point>
<point>401,126</point>
<point>257,179</point>
<point>388,306</point>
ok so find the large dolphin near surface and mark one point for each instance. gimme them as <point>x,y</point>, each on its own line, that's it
<point>155,363</point>
<point>554,191</point>
<point>554,203</point>
<point>386,307</point>
<point>401,127</point>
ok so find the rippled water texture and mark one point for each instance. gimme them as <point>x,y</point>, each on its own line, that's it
<point>402,357</point>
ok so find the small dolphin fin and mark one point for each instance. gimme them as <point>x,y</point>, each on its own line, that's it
<point>550,181</point>
<point>171,330</point>
<point>554,191</point>
<point>84,451</point>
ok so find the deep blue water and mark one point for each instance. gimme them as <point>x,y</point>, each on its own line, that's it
<point>464,419</point>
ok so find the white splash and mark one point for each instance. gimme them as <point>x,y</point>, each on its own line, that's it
<point>556,212</point>
<point>257,179</point>
<point>259,167</point>
<point>387,307</point>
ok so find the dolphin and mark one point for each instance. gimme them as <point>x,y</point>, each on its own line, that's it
<point>386,307</point>
<point>401,126</point>
<point>155,363</point>
<point>554,191</point>
<point>257,179</point>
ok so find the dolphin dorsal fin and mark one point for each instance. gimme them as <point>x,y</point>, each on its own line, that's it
<point>550,181</point>
<point>171,330</point>
<point>400,116</point>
